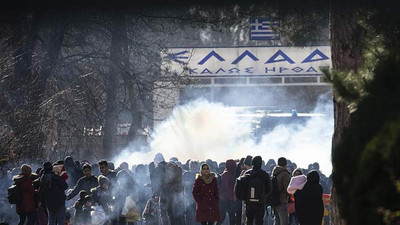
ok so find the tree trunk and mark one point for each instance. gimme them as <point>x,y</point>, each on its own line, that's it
<point>347,49</point>
<point>113,78</point>
<point>128,76</point>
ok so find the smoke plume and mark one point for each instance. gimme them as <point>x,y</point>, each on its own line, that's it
<point>203,130</point>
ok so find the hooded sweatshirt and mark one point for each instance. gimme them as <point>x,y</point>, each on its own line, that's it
<point>52,189</point>
<point>309,204</point>
<point>228,181</point>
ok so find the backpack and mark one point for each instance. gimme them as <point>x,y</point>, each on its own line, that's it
<point>14,195</point>
<point>241,186</point>
<point>46,181</point>
<point>274,198</point>
<point>256,191</point>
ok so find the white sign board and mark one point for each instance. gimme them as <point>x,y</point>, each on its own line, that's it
<point>246,61</point>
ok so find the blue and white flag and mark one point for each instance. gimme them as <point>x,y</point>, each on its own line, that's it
<point>262,29</point>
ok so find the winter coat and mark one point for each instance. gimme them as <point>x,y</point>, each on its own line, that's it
<point>84,183</point>
<point>157,180</point>
<point>173,178</point>
<point>207,200</point>
<point>283,180</point>
<point>309,205</point>
<point>27,191</point>
<point>52,189</point>
<point>228,182</point>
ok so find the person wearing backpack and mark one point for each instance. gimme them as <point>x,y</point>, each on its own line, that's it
<point>52,192</point>
<point>25,206</point>
<point>246,166</point>
<point>282,177</point>
<point>256,186</point>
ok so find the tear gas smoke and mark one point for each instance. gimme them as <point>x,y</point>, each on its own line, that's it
<point>202,130</point>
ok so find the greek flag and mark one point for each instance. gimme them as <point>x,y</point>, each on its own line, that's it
<point>261,29</point>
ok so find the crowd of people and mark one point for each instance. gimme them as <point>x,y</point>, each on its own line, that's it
<point>246,191</point>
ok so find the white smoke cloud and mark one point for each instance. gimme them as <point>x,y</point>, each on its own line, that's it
<point>202,130</point>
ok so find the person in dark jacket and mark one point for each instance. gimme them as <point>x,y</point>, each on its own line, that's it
<point>27,208</point>
<point>171,198</point>
<point>309,205</point>
<point>110,174</point>
<point>255,210</point>
<point>51,190</point>
<point>85,183</point>
<point>188,181</point>
<point>126,187</point>
<point>157,177</point>
<point>283,179</point>
<point>86,209</point>
<point>205,193</point>
<point>74,172</point>
<point>78,217</point>
<point>102,194</point>
<point>238,203</point>
<point>227,194</point>
<point>158,184</point>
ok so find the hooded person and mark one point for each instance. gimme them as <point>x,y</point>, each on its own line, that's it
<point>27,208</point>
<point>52,191</point>
<point>258,187</point>
<point>157,179</point>
<point>205,193</point>
<point>297,182</point>
<point>74,172</point>
<point>158,158</point>
<point>227,194</point>
<point>309,203</point>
